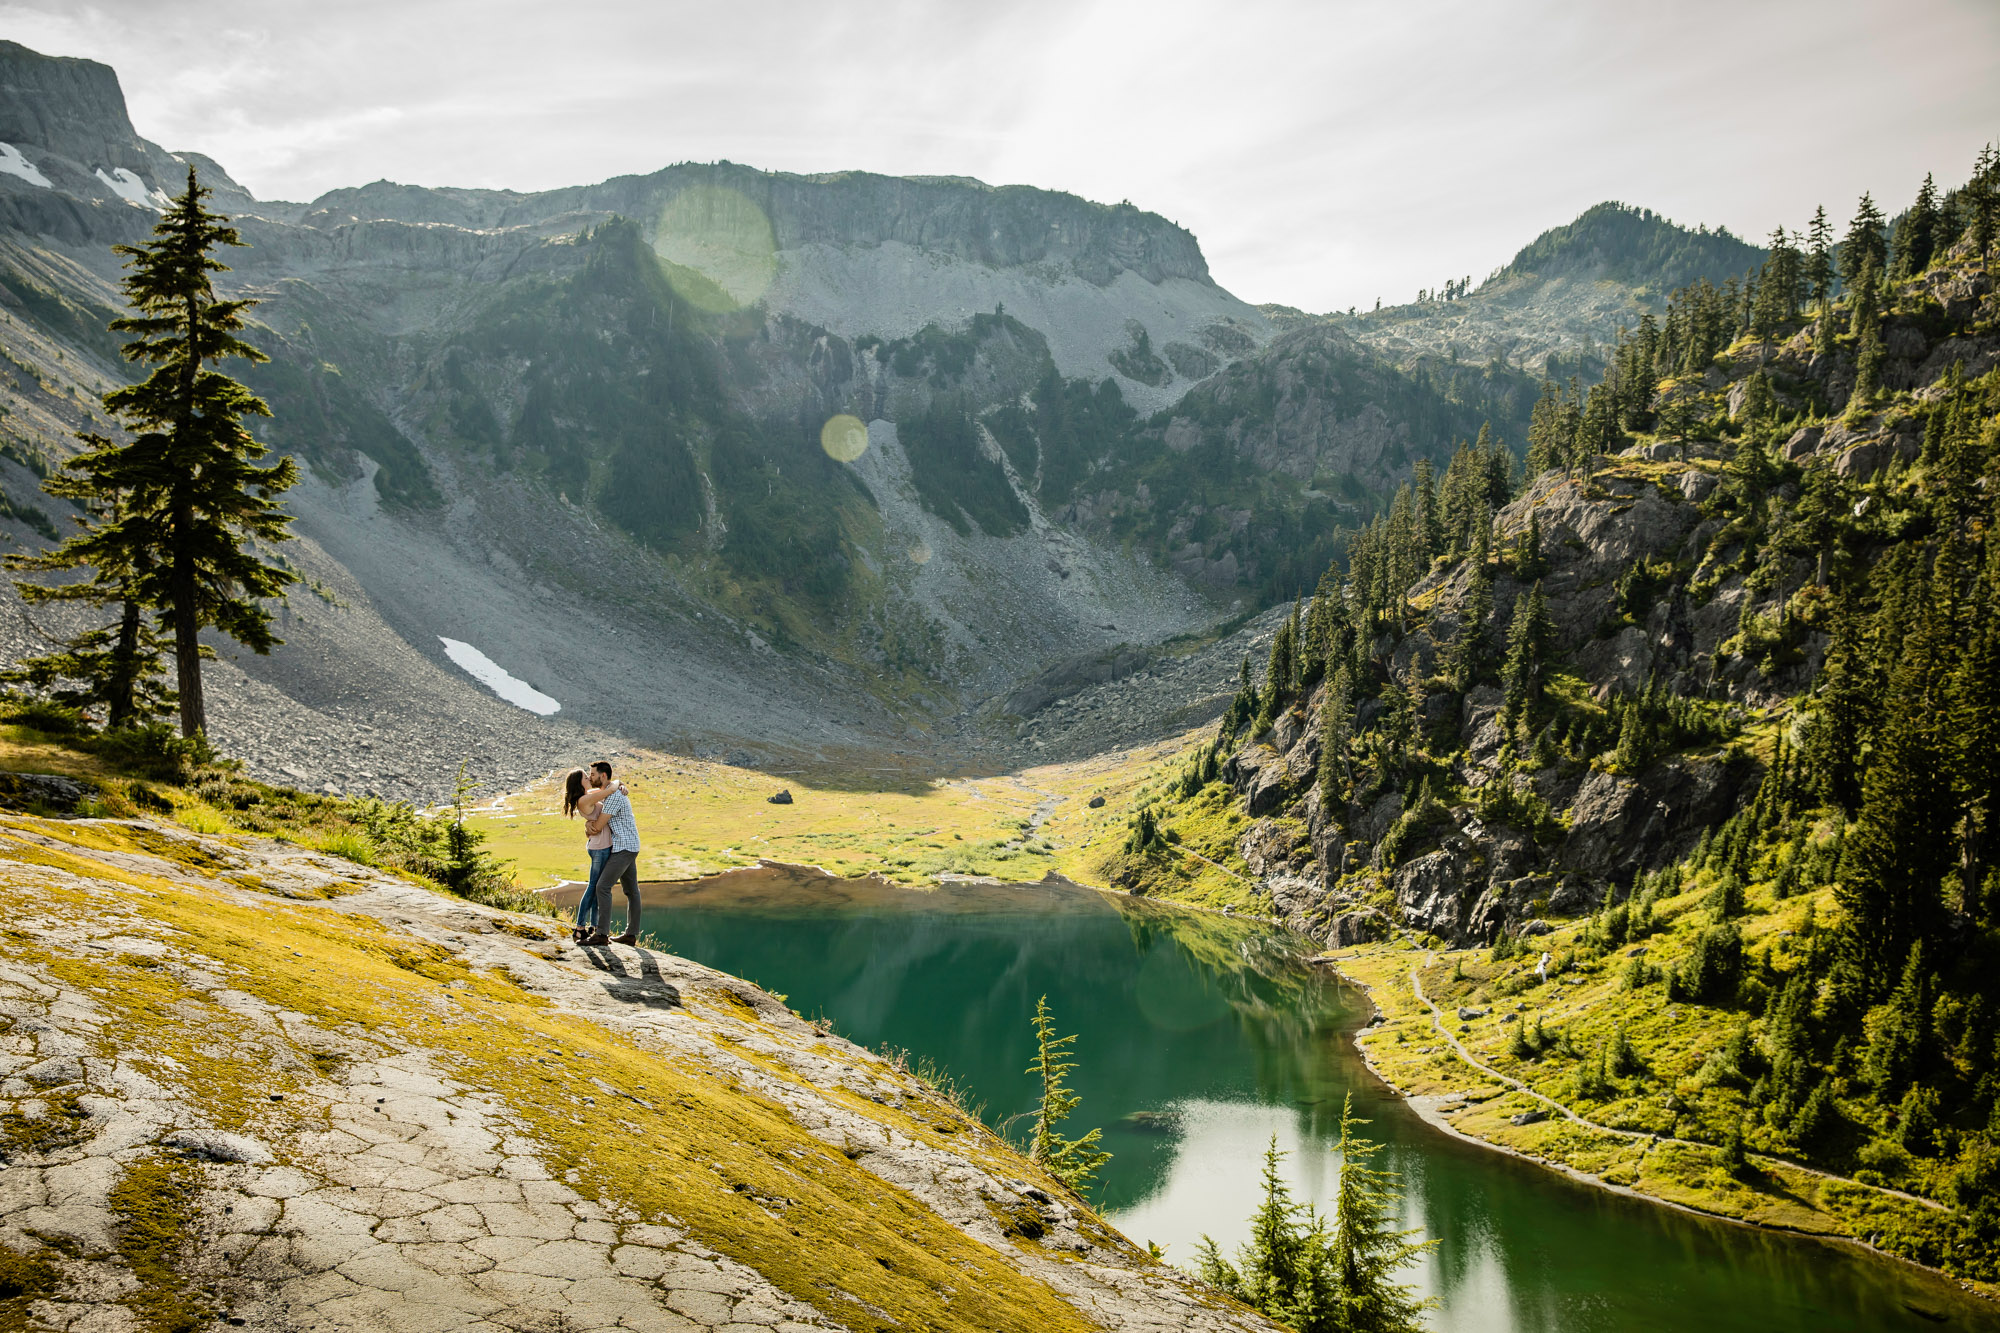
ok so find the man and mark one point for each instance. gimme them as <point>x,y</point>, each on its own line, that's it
<point>622,866</point>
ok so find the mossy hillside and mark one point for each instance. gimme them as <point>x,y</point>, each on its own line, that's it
<point>731,1165</point>
<point>698,818</point>
<point>1195,859</point>
<point>1683,1077</point>
<point>216,799</point>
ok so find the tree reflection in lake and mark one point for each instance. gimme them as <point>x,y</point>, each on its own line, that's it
<point>1201,1036</point>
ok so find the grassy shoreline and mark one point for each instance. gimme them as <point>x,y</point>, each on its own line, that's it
<point>1403,1047</point>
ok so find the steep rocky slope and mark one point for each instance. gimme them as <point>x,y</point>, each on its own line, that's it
<point>242,1081</point>
<point>1666,587</point>
<point>601,434</point>
<point>1672,782</point>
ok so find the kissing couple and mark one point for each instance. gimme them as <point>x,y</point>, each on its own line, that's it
<point>611,836</point>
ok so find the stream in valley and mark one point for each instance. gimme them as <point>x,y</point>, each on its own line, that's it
<point>1200,1037</point>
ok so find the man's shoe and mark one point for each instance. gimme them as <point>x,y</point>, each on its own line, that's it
<point>599,938</point>
<point>627,938</point>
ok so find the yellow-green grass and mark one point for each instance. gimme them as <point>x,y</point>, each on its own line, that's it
<point>1673,1042</point>
<point>698,818</point>
<point>714,1147</point>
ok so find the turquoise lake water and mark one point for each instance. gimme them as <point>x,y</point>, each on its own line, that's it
<point>1199,1038</point>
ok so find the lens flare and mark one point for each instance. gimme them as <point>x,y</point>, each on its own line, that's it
<point>717,248</point>
<point>920,554</point>
<point>844,438</point>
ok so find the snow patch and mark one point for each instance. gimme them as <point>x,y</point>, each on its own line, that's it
<point>14,164</point>
<point>497,678</point>
<point>133,190</point>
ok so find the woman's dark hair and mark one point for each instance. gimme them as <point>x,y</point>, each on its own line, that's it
<point>572,791</point>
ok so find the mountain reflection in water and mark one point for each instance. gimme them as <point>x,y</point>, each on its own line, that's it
<point>1199,1038</point>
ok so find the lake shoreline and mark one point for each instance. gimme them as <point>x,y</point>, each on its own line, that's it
<point>568,893</point>
<point>1429,1108</point>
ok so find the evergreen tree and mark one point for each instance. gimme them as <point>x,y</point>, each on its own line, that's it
<point>1976,728</point>
<point>1333,1276</point>
<point>1759,403</point>
<point>1462,659</point>
<point>1901,845</point>
<point>1843,713</point>
<point>1546,445</point>
<point>1499,467</point>
<point>1979,202</point>
<point>1075,1162</point>
<point>1529,560</point>
<point>1899,1052</point>
<point>119,666</point>
<point>1869,352</point>
<point>1281,673</point>
<point>1336,727</point>
<point>1430,526</point>
<point>1368,1251</point>
<point>1863,242</point>
<point>191,496</point>
<point>1917,234</point>
<point>1819,271</point>
<point>1530,635</point>
<point>1777,299</point>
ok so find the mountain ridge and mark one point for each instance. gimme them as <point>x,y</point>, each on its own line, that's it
<point>1057,465</point>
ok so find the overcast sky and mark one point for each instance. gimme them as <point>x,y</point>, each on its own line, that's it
<point>1324,153</point>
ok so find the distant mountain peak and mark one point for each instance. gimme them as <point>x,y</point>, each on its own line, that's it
<point>1636,246</point>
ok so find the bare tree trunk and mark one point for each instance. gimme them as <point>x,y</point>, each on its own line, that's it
<point>187,632</point>
<point>122,701</point>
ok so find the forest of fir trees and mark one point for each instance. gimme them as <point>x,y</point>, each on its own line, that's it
<point>1874,1044</point>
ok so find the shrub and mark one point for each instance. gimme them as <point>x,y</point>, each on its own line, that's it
<point>1624,1060</point>
<point>154,751</point>
<point>352,844</point>
<point>1886,1158</point>
<point>200,817</point>
<point>51,719</point>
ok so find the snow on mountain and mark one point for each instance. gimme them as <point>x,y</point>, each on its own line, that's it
<point>14,164</point>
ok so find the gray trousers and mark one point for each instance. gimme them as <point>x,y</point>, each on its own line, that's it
<point>619,868</point>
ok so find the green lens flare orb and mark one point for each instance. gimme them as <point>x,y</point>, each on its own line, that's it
<point>920,553</point>
<point>716,247</point>
<point>844,438</point>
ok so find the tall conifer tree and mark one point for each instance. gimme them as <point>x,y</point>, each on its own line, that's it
<point>196,501</point>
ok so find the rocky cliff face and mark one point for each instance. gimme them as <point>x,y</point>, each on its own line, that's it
<point>66,128</point>
<point>1325,865</point>
<point>1684,588</point>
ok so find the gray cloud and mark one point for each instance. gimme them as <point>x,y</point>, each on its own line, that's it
<point>1324,153</point>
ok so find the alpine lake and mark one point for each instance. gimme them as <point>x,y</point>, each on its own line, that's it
<point>1199,1038</point>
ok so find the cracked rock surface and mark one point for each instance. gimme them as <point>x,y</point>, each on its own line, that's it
<point>244,1084</point>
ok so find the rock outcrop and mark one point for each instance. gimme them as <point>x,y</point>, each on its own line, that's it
<point>244,1082</point>
<point>1467,879</point>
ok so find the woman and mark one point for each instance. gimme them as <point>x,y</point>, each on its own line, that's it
<point>582,797</point>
